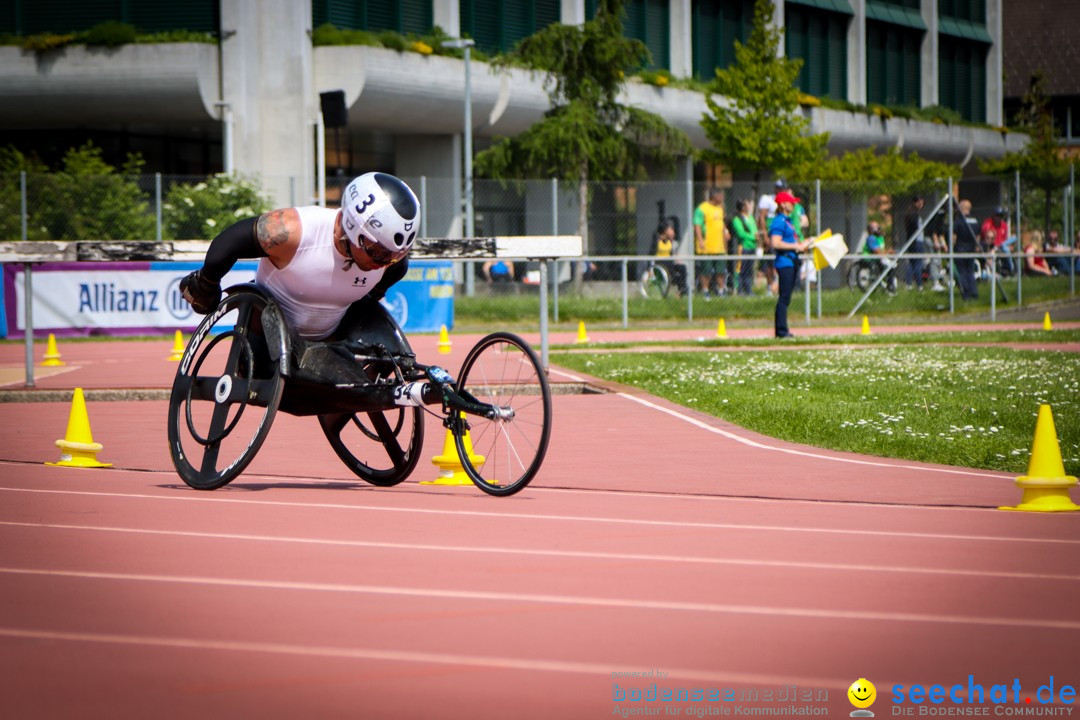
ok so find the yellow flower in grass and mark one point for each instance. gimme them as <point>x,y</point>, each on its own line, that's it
<point>422,47</point>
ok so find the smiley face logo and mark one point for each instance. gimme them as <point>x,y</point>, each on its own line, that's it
<point>862,693</point>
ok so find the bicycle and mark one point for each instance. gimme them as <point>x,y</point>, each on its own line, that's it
<point>655,281</point>
<point>367,390</point>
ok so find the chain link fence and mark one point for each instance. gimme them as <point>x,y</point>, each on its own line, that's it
<point>622,281</point>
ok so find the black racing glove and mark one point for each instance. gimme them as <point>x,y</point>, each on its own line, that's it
<point>204,295</point>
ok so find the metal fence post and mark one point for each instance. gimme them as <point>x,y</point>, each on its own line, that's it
<point>625,297</point>
<point>952,270</point>
<point>423,206</point>
<point>555,231</point>
<point>1019,249</point>
<point>690,280</point>
<point>1072,227</point>
<point>28,286</point>
<point>543,314</point>
<point>157,204</point>
<point>817,227</point>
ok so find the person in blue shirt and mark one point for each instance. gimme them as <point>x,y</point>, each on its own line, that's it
<point>875,248</point>
<point>787,246</point>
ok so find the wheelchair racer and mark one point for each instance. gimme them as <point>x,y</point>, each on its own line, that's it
<point>315,261</point>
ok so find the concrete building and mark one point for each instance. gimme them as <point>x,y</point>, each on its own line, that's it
<point>251,102</point>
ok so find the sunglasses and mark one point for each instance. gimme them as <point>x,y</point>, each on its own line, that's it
<point>376,252</point>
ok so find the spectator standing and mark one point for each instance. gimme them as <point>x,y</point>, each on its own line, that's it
<point>786,246</point>
<point>939,246</point>
<point>966,240</point>
<point>766,212</point>
<point>711,236</point>
<point>746,236</point>
<point>918,245</point>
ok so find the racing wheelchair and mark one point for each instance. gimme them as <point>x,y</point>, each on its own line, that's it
<point>243,364</point>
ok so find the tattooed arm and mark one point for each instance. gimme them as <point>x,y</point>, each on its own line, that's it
<point>278,235</point>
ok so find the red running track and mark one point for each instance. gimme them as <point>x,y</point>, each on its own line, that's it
<point>654,539</point>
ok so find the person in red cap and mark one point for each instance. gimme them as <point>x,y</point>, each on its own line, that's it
<point>787,246</point>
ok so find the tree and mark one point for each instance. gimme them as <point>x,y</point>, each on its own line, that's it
<point>587,134</point>
<point>12,163</point>
<point>759,126</point>
<point>1040,163</point>
<point>205,208</point>
<point>91,200</point>
<point>865,173</point>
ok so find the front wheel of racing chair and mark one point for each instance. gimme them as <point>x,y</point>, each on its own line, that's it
<point>227,389</point>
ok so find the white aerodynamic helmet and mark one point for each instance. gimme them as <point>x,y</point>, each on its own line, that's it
<point>380,215</point>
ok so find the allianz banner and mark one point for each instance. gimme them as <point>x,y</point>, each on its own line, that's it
<point>138,298</point>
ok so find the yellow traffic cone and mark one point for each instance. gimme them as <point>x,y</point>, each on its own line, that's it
<point>451,471</point>
<point>865,324</point>
<point>52,355</point>
<point>1046,486</point>
<point>177,347</point>
<point>1046,322</point>
<point>444,341</point>
<point>582,337</point>
<point>78,448</point>
<point>721,329</point>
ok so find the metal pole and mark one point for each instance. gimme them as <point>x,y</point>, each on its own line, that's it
<point>952,271</point>
<point>993,289</point>
<point>27,286</point>
<point>423,206</point>
<point>543,314</point>
<point>555,231</point>
<point>625,297</point>
<point>320,157</point>
<point>157,202</point>
<point>470,270</point>
<point>817,228</point>
<point>806,289</point>
<point>1019,249</point>
<point>690,279</point>
<point>28,308</point>
<point>1072,227</point>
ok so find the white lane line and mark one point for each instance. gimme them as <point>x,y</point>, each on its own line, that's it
<point>554,518</point>
<point>588,555</point>
<point>503,663</point>
<point>791,451</point>
<point>573,600</point>
<point>618,493</point>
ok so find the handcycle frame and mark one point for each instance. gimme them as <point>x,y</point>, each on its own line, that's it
<point>369,371</point>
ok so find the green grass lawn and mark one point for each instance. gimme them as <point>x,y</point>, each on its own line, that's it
<point>968,406</point>
<point>521,311</point>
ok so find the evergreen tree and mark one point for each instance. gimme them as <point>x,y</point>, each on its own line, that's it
<point>757,124</point>
<point>1040,164</point>
<point>587,134</point>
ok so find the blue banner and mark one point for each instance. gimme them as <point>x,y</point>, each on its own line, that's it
<point>423,300</point>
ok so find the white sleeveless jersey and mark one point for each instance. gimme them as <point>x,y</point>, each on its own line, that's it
<point>314,290</point>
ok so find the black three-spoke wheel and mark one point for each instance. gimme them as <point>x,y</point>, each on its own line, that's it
<point>225,394</point>
<point>501,454</point>
<point>380,447</point>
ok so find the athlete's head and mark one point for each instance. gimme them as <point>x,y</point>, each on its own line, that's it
<point>381,216</point>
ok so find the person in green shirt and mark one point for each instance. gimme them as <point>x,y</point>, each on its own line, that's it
<point>745,245</point>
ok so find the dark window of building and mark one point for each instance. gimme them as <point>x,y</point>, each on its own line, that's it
<point>716,25</point>
<point>962,76</point>
<point>649,21</point>
<point>893,67</point>
<point>29,17</point>
<point>404,16</point>
<point>498,25</point>
<point>819,38</point>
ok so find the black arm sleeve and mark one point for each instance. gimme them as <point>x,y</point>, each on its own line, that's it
<point>393,273</point>
<point>233,243</point>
